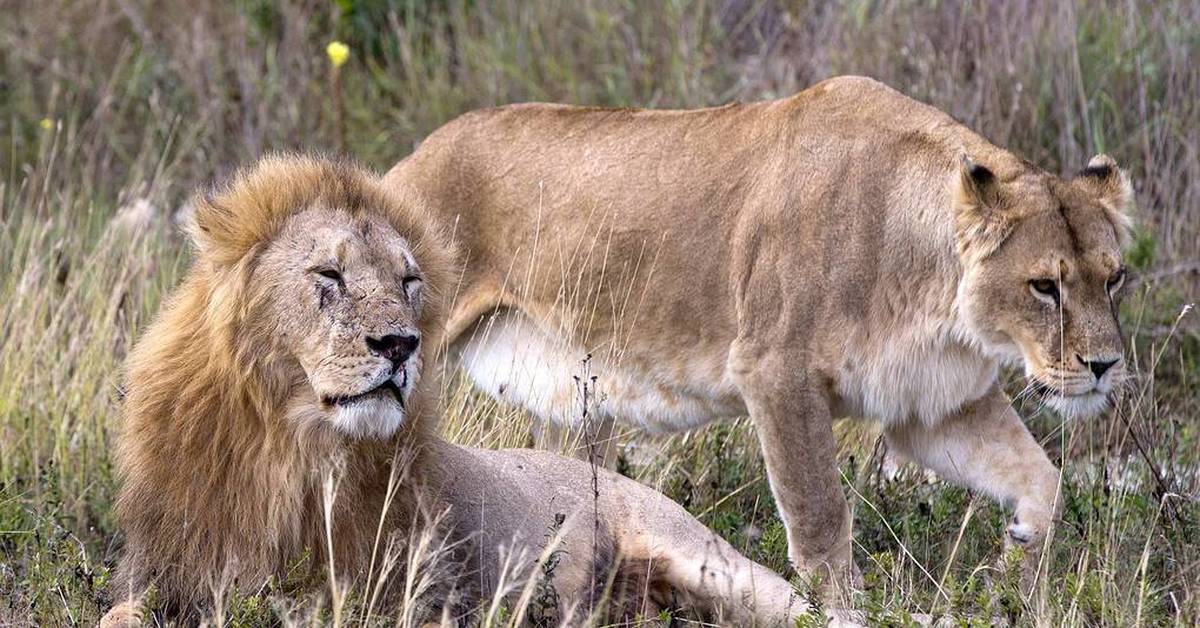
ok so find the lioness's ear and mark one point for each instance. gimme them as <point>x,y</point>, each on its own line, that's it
<point>1111,186</point>
<point>980,223</point>
<point>977,186</point>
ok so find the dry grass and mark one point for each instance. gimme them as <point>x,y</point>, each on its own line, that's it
<point>111,112</point>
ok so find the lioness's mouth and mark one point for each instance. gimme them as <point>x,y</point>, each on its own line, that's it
<point>388,386</point>
<point>1072,404</point>
<point>1042,389</point>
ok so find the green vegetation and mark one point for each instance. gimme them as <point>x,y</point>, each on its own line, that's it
<point>112,113</point>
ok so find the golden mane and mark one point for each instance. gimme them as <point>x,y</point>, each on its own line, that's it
<point>202,420</point>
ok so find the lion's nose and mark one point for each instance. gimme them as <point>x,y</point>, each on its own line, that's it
<point>1098,367</point>
<point>395,347</point>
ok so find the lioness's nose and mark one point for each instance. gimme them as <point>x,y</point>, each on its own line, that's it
<point>395,347</point>
<point>1098,367</point>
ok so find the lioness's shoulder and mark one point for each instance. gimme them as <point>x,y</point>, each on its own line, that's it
<point>851,84</point>
<point>870,101</point>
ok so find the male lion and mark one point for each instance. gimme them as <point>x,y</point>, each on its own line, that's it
<point>276,407</point>
<point>844,251</point>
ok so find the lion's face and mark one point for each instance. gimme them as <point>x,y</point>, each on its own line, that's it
<point>345,295</point>
<point>1047,294</point>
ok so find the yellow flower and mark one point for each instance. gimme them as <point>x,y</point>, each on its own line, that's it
<point>46,123</point>
<point>338,53</point>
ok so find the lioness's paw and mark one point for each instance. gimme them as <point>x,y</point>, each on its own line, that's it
<point>1021,533</point>
<point>1027,528</point>
<point>123,615</point>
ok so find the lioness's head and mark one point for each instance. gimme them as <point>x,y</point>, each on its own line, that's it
<point>329,269</point>
<point>1043,274</point>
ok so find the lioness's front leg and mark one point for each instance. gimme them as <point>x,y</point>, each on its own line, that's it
<point>795,429</point>
<point>986,447</point>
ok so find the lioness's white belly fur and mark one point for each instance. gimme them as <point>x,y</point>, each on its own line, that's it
<point>521,363</point>
<point>516,361</point>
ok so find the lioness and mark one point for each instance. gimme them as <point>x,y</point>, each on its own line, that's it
<point>847,251</point>
<point>276,406</point>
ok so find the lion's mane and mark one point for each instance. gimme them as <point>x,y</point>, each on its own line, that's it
<point>218,489</point>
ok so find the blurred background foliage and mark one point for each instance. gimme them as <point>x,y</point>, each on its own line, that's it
<point>1054,81</point>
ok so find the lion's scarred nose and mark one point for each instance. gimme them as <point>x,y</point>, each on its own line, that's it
<point>395,347</point>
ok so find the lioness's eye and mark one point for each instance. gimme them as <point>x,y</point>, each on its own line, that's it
<point>1045,288</point>
<point>411,283</point>
<point>1117,279</point>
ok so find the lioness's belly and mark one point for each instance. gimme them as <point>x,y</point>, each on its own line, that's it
<point>517,361</point>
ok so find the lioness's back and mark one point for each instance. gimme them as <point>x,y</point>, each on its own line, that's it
<point>636,178</point>
<point>615,155</point>
<point>694,171</point>
<point>842,106</point>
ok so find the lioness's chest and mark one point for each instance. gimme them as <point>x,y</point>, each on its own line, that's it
<point>911,377</point>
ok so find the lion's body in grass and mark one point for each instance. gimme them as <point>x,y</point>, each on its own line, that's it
<point>274,430</point>
<point>846,251</point>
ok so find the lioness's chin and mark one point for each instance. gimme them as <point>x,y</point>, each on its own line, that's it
<point>1082,406</point>
<point>376,417</point>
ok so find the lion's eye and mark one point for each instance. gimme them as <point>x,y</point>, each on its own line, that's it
<point>1116,281</point>
<point>329,273</point>
<point>1045,289</point>
<point>411,284</point>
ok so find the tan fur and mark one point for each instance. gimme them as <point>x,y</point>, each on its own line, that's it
<point>237,416</point>
<point>844,251</point>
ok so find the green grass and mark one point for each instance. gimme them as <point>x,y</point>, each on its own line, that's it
<point>142,106</point>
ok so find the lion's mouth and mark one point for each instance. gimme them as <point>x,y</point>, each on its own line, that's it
<point>388,386</point>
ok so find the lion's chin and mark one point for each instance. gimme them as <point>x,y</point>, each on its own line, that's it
<point>1084,406</point>
<point>378,416</point>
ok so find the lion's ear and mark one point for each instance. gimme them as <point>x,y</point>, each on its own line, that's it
<point>980,222</point>
<point>219,232</point>
<point>1111,186</point>
<point>206,224</point>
